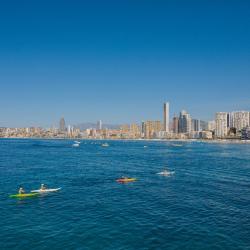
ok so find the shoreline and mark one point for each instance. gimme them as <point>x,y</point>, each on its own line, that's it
<point>221,141</point>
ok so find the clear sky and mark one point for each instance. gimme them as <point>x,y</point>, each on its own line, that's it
<point>118,61</point>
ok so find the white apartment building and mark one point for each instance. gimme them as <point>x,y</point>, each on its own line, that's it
<point>240,119</point>
<point>211,125</point>
<point>221,124</point>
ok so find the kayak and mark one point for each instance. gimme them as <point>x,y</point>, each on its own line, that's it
<point>125,180</point>
<point>47,190</point>
<point>166,173</point>
<point>24,195</point>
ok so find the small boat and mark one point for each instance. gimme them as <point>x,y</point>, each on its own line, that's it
<point>77,142</point>
<point>145,146</point>
<point>76,145</point>
<point>125,180</point>
<point>105,145</point>
<point>166,173</point>
<point>177,145</point>
<point>47,190</point>
<point>28,195</point>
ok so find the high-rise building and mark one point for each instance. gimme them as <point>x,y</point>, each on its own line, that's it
<point>152,128</point>
<point>245,133</point>
<point>203,125</point>
<point>240,119</point>
<point>229,120</point>
<point>69,130</point>
<point>184,122</point>
<point>211,125</point>
<point>221,121</point>
<point>166,117</point>
<point>62,124</point>
<point>143,129</point>
<point>175,125</point>
<point>196,125</point>
<point>134,131</point>
<point>99,125</point>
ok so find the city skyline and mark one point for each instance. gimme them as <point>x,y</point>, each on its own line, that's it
<point>234,125</point>
<point>88,61</point>
<point>167,120</point>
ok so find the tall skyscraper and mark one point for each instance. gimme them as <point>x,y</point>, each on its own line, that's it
<point>99,125</point>
<point>176,125</point>
<point>221,121</point>
<point>166,117</point>
<point>185,122</point>
<point>62,124</point>
<point>143,129</point>
<point>69,130</point>
<point>196,125</point>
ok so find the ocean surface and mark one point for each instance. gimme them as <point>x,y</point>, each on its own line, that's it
<point>204,204</point>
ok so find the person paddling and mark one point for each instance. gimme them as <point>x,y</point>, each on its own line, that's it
<point>21,190</point>
<point>43,187</point>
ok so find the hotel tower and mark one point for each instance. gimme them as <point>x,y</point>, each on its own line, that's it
<point>166,117</point>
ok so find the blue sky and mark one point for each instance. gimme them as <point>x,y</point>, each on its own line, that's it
<point>120,60</point>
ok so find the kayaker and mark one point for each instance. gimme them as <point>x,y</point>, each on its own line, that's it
<point>43,187</point>
<point>21,190</point>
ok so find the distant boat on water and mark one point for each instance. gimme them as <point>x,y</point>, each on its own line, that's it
<point>76,144</point>
<point>105,145</point>
<point>166,173</point>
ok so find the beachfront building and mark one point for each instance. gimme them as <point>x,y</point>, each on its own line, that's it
<point>125,128</point>
<point>221,121</point>
<point>175,125</point>
<point>245,133</point>
<point>125,131</point>
<point>211,125</point>
<point>135,131</point>
<point>166,117</point>
<point>240,119</point>
<point>143,129</point>
<point>203,125</point>
<point>185,123</point>
<point>196,125</point>
<point>152,129</point>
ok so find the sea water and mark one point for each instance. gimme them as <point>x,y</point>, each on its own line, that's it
<point>205,204</point>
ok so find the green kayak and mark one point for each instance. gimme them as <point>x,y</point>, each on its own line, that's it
<point>24,195</point>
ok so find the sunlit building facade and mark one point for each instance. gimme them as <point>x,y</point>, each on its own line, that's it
<point>221,124</point>
<point>185,122</point>
<point>166,117</point>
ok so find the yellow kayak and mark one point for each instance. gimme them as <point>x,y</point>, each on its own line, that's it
<point>24,195</point>
<point>125,180</point>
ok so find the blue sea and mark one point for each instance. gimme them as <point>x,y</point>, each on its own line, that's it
<point>203,204</point>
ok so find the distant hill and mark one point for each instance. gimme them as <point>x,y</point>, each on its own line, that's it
<point>87,125</point>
